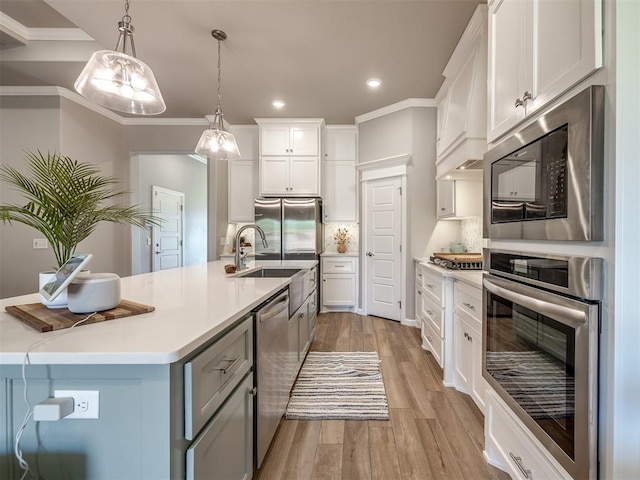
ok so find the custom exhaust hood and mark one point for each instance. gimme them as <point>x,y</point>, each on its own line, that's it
<point>462,104</point>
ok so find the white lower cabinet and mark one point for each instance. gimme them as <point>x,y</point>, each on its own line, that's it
<point>468,342</point>
<point>339,283</point>
<point>224,449</point>
<point>510,447</point>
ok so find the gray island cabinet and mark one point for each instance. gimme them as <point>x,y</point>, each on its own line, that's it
<point>175,385</point>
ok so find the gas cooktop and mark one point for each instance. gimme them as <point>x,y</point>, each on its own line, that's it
<point>457,261</point>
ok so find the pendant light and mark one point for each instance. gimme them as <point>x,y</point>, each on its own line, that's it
<point>118,80</point>
<point>218,142</point>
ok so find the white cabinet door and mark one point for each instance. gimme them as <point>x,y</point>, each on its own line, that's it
<point>339,290</point>
<point>538,49</point>
<point>446,203</point>
<point>340,198</point>
<point>463,354</point>
<point>286,139</point>
<point>340,143</point>
<point>303,176</point>
<point>243,189</point>
<point>303,140</point>
<point>274,140</point>
<point>274,175</point>
<point>506,71</point>
<point>478,387</point>
<point>567,46</point>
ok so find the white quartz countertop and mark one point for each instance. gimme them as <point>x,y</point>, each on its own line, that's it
<point>336,254</point>
<point>471,277</point>
<point>192,305</point>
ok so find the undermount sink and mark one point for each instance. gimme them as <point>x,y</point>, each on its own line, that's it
<point>270,273</point>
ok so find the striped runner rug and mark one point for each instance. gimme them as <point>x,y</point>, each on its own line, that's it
<point>339,386</point>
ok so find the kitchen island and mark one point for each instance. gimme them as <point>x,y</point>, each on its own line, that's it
<point>137,364</point>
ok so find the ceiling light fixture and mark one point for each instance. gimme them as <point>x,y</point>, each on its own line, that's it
<point>374,82</point>
<point>278,103</point>
<point>118,80</point>
<point>218,142</point>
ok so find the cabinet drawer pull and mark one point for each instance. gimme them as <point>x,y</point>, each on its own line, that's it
<point>430,313</point>
<point>469,306</point>
<point>518,462</point>
<point>338,266</point>
<point>419,292</point>
<point>419,275</point>
<point>429,285</point>
<point>230,364</point>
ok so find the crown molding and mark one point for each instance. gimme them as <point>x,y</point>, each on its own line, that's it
<point>24,35</point>
<point>48,91</point>
<point>396,107</point>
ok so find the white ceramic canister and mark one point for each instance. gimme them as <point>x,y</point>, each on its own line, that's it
<point>93,292</point>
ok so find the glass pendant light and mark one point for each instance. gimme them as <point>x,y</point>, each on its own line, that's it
<point>118,80</point>
<point>218,142</point>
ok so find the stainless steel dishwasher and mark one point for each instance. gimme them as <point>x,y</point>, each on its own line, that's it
<point>271,345</point>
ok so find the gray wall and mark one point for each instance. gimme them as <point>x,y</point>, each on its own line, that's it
<point>411,131</point>
<point>175,172</point>
<point>183,138</point>
<point>53,123</point>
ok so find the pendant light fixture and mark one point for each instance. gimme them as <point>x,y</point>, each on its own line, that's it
<point>118,80</point>
<point>218,142</point>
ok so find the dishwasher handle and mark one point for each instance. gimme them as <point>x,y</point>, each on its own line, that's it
<point>274,308</point>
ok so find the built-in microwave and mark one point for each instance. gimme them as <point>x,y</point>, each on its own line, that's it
<point>545,181</point>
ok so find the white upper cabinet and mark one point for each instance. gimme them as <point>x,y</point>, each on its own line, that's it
<point>538,49</point>
<point>243,175</point>
<point>340,142</point>
<point>339,174</point>
<point>287,139</point>
<point>459,199</point>
<point>243,189</point>
<point>289,157</point>
<point>462,117</point>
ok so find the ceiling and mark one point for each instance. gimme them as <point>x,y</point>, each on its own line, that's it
<point>315,55</point>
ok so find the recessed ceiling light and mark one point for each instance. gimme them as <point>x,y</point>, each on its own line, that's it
<point>278,103</point>
<point>374,82</point>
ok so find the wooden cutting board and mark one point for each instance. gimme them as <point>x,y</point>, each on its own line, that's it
<point>45,319</point>
<point>460,257</point>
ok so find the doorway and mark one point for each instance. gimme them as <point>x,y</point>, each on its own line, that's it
<point>180,172</point>
<point>384,248</point>
<point>167,238</point>
<point>384,233</point>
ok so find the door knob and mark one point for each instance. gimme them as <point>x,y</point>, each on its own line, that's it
<point>369,254</point>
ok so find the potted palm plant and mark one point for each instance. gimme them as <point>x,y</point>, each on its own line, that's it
<point>66,200</point>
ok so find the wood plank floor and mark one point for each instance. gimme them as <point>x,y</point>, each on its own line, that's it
<point>433,433</point>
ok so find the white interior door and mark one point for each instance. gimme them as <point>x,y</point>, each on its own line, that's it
<point>383,248</point>
<point>167,238</point>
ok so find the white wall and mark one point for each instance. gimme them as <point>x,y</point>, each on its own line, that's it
<point>184,174</point>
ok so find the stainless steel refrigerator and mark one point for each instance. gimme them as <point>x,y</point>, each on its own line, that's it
<point>293,227</point>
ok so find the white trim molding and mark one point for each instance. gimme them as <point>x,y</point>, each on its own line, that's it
<point>384,167</point>
<point>396,107</point>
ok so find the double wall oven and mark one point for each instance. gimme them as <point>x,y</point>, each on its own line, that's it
<point>540,345</point>
<point>542,311</point>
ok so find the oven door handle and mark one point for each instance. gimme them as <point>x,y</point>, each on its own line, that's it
<point>561,313</point>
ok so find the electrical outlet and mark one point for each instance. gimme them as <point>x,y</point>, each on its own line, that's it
<point>86,403</point>
<point>40,243</point>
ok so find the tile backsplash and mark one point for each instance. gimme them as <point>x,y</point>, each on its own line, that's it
<point>330,245</point>
<point>471,234</point>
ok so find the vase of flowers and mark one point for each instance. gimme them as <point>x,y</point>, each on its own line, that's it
<point>342,239</point>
